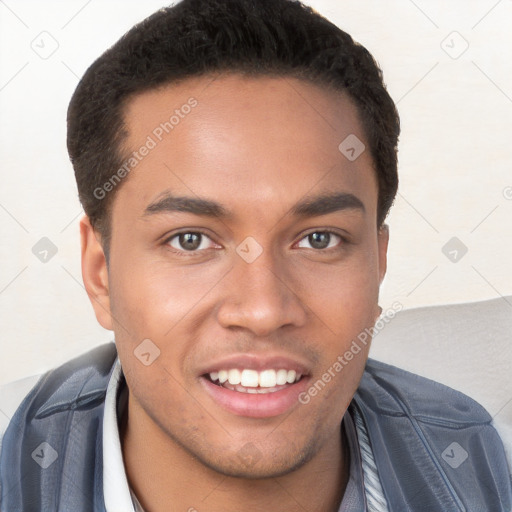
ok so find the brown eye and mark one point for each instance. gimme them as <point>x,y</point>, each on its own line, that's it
<point>321,240</point>
<point>189,241</point>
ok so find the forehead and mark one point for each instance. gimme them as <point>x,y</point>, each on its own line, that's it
<point>250,143</point>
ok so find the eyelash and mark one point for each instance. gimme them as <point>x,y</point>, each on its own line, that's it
<point>183,253</point>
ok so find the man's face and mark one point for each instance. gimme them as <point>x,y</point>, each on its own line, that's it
<point>267,278</point>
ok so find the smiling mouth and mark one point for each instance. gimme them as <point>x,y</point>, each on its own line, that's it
<point>253,381</point>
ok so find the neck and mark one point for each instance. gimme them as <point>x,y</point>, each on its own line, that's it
<point>160,472</point>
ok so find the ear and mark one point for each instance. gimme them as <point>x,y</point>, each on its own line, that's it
<point>94,273</point>
<point>382,242</point>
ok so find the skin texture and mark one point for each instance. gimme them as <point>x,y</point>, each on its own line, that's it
<point>258,146</point>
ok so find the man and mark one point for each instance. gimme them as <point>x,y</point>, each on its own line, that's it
<point>236,160</point>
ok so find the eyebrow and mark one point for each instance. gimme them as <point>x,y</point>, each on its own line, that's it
<point>197,206</point>
<point>308,207</point>
<point>329,203</point>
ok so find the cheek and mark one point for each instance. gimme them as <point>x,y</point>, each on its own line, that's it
<point>151,295</point>
<point>345,293</point>
<point>158,398</point>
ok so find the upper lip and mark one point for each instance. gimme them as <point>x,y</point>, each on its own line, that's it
<point>257,362</point>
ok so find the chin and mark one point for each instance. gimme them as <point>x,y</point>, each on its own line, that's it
<point>252,464</point>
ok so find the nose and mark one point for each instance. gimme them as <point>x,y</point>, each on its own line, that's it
<point>259,297</point>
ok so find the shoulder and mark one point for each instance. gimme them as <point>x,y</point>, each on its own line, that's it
<point>63,387</point>
<point>388,389</point>
<point>11,396</point>
<point>425,435</point>
<point>418,394</point>
<point>465,346</point>
<point>64,407</point>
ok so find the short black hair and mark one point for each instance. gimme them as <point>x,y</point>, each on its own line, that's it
<point>282,38</point>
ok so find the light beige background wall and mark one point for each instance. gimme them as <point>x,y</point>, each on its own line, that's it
<point>447,65</point>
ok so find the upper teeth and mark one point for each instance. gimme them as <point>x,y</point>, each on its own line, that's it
<point>253,379</point>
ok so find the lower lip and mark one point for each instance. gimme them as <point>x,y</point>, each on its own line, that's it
<point>264,405</point>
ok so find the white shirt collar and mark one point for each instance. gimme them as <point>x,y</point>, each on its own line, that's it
<point>116,491</point>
